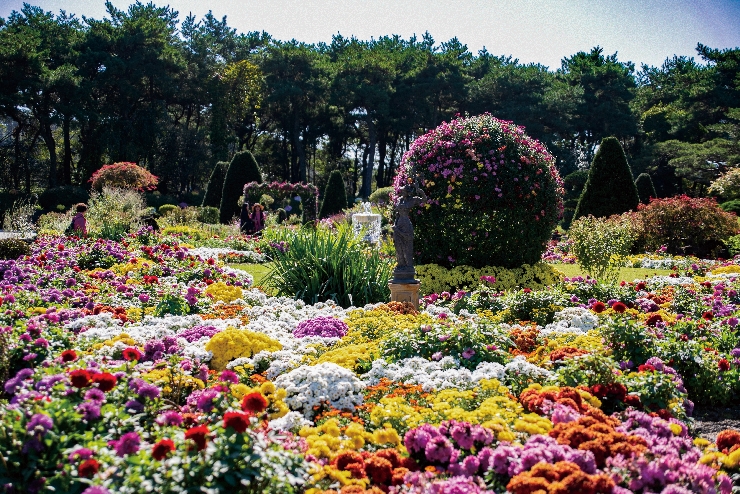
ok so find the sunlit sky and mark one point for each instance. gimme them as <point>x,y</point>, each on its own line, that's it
<point>544,31</point>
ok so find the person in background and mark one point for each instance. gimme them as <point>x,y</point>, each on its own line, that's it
<point>246,225</point>
<point>258,217</point>
<point>79,222</point>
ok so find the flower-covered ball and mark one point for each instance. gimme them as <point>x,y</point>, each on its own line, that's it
<point>494,194</point>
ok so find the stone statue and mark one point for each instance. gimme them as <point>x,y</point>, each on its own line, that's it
<point>409,196</point>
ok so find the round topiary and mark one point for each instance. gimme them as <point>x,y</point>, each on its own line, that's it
<point>645,188</point>
<point>731,206</point>
<point>494,194</point>
<point>124,175</point>
<point>335,196</point>
<point>242,170</point>
<point>212,197</point>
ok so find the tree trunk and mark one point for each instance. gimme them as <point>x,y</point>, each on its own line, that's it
<point>368,169</point>
<point>67,163</point>
<point>51,145</point>
<point>382,149</point>
<point>301,152</point>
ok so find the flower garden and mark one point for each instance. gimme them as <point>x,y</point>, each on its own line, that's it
<point>148,364</point>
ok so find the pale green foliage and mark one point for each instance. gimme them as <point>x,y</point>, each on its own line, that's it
<point>727,186</point>
<point>54,223</point>
<point>112,213</point>
<point>601,244</point>
<point>18,219</point>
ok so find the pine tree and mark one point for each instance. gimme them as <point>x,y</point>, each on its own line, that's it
<point>645,188</point>
<point>610,188</point>
<point>335,196</point>
<point>242,170</point>
<point>212,196</point>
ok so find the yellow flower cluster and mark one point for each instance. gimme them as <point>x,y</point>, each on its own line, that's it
<point>733,269</point>
<point>329,439</point>
<point>185,231</point>
<point>122,337</point>
<point>437,279</point>
<point>590,342</point>
<point>222,292</point>
<point>331,474</point>
<point>276,407</point>
<point>348,356</point>
<point>233,343</point>
<point>719,460</point>
<point>369,325</point>
<point>135,314</point>
<point>175,385</point>
<point>123,269</point>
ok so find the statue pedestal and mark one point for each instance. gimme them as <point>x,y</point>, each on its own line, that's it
<point>403,291</point>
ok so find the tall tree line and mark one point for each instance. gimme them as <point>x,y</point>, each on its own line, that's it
<point>177,96</point>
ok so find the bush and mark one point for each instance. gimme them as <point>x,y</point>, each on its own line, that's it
<point>156,199</point>
<point>66,195</point>
<point>732,206</point>
<point>124,175</point>
<point>181,216</point>
<point>437,279</point>
<point>188,232</point>
<point>112,213</point>
<point>727,186</point>
<point>214,189</point>
<point>166,208</point>
<point>381,196</point>
<point>13,248</point>
<point>645,188</point>
<point>494,194</point>
<point>54,223</point>
<point>335,196</point>
<point>685,225</point>
<point>610,188</point>
<point>601,245</point>
<point>208,214</point>
<point>322,265</point>
<point>242,170</point>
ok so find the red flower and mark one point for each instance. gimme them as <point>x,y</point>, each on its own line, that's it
<point>684,337</point>
<point>106,381</point>
<point>527,290</point>
<point>619,307</point>
<point>708,315</point>
<point>199,435</point>
<point>69,356</point>
<point>723,365</point>
<point>254,402</point>
<point>80,378</point>
<point>236,420</point>
<point>131,353</point>
<point>88,468</point>
<point>633,401</point>
<point>162,448</point>
<point>646,368</point>
<point>653,319</point>
<point>598,307</point>
<point>727,439</point>
<point>640,286</point>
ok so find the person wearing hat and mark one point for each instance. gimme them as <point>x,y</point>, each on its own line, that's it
<point>246,225</point>
<point>258,217</point>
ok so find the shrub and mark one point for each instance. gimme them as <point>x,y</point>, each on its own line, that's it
<point>381,196</point>
<point>112,213</point>
<point>601,245</point>
<point>181,216</point>
<point>208,214</point>
<point>610,188</point>
<point>19,217</point>
<point>727,186</point>
<point>54,223</point>
<point>242,170</point>
<point>494,194</point>
<point>166,208</point>
<point>322,265</point>
<point>13,248</point>
<point>335,196</point>
<point>282,215</point>
<point>732,206</point>
<point>124,175</point>
<point>214,189</point>
<point>684,225</point>
<point>645,188</point>
<point>66,195</point>
<point>437,279</point>
<point>185,231</point>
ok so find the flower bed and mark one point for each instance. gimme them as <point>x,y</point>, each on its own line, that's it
<point>129,367</point>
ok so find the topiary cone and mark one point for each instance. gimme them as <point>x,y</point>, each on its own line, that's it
<point>335,196</point>
<point>242,170</point>
<point>214,189</point>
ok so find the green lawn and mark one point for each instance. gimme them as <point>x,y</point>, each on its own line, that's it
<point>259,271</point>
<point>627,274</point>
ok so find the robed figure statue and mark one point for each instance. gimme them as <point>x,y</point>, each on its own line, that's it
<point>409,197</point>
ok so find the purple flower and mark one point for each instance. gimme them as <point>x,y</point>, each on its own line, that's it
<point>438,450</point>
<point>96,489</point>
<point>197,332</point>
<point>325,327</point>
<point>133,406</point>
<point>205,400</point>
<point>80,454</point>
<point>468,353</point>
<point>39,424</point>
<point>437,356</point>
<point>90,410</point>
<point>170,418</point>
<point>229,376</point>
<point>144,298</point>
<point>94,394</point>
<point>128,444</point>
<point>444,337</point>
<point>148,391</point>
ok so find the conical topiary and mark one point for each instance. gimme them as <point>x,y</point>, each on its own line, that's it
<point>335,196</point>
<point>610,188</point>
<point>645,188</point>
<point>212,196</point>
<point>242,170</point>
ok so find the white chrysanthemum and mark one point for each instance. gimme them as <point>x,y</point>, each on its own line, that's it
<point>520,366</point>
<point>430,375</point>
<point>291,421</point>
<point>571,320</point>
<point>308,386</point>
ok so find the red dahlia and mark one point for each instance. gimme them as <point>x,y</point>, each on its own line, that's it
<point>162,448</point>
<point>723,365</point>
<point>69,356</point>
<point>254,402</point>
<point>199,435</point>
<point>106,381</point>
<point>80,378</point>
<point>598,307</point>
<point>88,468</point>
<point>236,420</point>
<point>619,307</point>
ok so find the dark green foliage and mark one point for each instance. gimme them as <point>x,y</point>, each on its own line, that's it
<point>214,189</point>
<point>310,209</point>
<point>335,196</point>
<point>208,214</point>
<point>610,188</point>
<point>573,184</point>
<point>645,188</point>
<point>13,248</point>
<point>242,170</point>
<point>66,195</point>
<point>731,206</point>
<point>282,215</point>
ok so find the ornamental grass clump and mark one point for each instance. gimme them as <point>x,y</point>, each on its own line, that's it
<point>494,194</point>
<point>323,265</point>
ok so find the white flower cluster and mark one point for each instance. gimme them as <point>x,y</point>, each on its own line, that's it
<point>308,386</point>
<point>291,421</point>
<point>446,373</point>
<point>520,366</point>
<point>661,281</point>
<point>571,320</point>
<point>215,252</point>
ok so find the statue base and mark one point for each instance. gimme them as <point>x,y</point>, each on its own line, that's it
<point>405,291</point>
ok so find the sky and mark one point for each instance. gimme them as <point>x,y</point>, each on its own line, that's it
<point>532,31</point>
